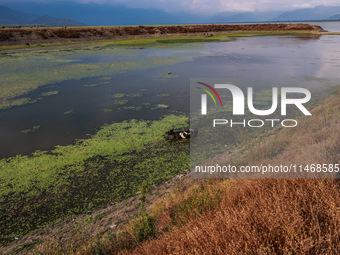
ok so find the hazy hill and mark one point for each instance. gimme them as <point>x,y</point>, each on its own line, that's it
<point>10,17</point>
<point>224,17</point>
<point>334,17</point>
<point>49,21</point>
<point>320,12</point>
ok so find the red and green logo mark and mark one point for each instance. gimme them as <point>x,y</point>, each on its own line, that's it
<point>209,93</point>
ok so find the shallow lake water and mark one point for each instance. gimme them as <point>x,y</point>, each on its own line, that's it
<point>333,26</point>
<point>82,105</point>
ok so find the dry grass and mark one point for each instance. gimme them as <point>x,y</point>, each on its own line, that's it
<point>257,217</point>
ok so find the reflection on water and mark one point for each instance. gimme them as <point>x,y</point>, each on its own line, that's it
<point>83,105</point>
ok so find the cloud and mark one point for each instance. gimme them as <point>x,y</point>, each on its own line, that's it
<point>243,6</point>
<point>210,6</point>
<point>200,6</point>
<point>214,6</point>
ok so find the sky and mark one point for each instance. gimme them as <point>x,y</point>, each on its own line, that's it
<point>215,6</point>
<point>209,6</point>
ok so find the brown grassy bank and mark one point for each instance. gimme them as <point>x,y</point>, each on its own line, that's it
<point>82,34</point>
<point>251,217</point>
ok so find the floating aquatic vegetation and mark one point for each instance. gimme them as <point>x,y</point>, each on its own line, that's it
<point>26,70</point>
<point>69,112</point>
<point>135,95</point>
<point>121,102</point>
<point>91,173</point>
<point>49,93</point>
<point>163,95</point>
<point>163,106</point>
<point>91,85</point>
<point>107,110</point>
<point>97,84</point>
<point>106,78</point>
<point>119,95</point>
<point>136,108</point>
<point>5,104</point>
<point>31,130</point>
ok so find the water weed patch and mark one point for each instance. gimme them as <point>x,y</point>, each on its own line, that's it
<point>38,189</point>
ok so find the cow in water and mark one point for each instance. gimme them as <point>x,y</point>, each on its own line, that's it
<point>181,134</point>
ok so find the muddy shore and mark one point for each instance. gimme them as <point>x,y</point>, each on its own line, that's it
<point>28,37</point>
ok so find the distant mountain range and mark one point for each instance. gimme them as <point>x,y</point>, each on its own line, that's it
<point>49,21</point>
<point>61,13</point>
<point>335,17</point>
<point>224,17</point>
<point>320,12</point>
<point>11,17</point>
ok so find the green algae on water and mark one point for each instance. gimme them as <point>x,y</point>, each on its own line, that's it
<point>49,93</point>
<point>114,161</point>
<point>91,85</point>
<point>107,110</point>
<point>162,106</point>
<point>6,104</point>
<point>31,130</point>
<point>121,102</point>
<point>135,108</point>
<point>69,112</point>
<point>135,95</point>
<point>118,95</point>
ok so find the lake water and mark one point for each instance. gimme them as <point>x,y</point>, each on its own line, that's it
<point>83,105</point>
<point>333,26</point>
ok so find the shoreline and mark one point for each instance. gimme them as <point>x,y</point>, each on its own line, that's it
<point>104,219</point>
<point>34,36</point>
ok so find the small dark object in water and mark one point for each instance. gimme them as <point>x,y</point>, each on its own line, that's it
<point>186,134</point>
<point>169,73</point>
